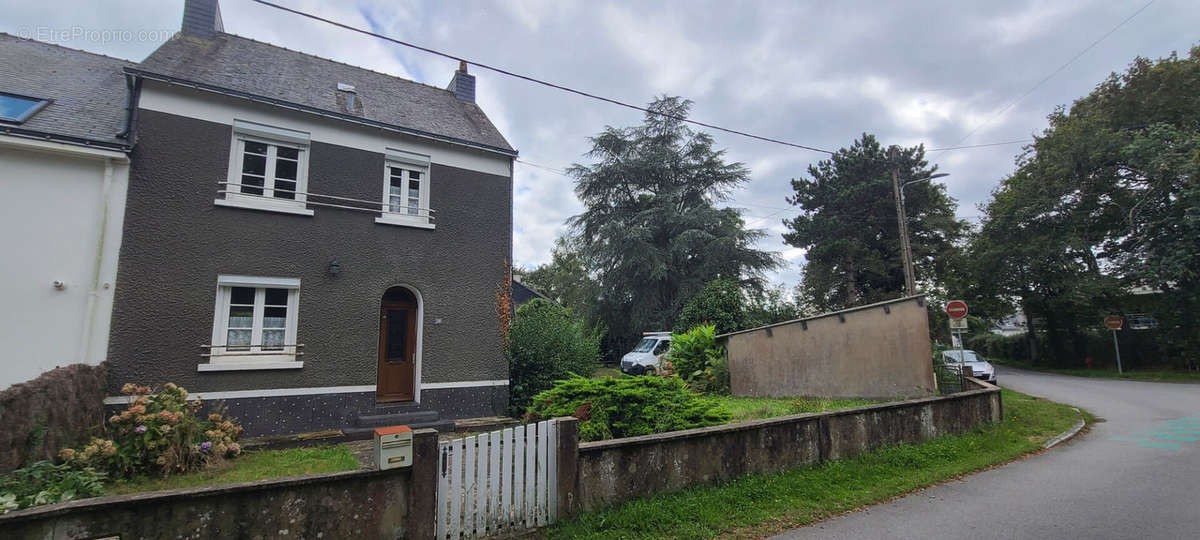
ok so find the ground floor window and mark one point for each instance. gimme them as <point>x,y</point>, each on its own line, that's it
<point>255,320</point>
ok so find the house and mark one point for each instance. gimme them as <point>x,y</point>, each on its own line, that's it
<point>522,293</point>
<point>64,169</point>
<point>1012,325</point>
<point>313,244</point>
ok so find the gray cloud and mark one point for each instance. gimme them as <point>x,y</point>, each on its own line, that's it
<point>818,73</point>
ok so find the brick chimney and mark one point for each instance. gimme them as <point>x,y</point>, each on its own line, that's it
<point>202,18</point>
<point>463,84</point>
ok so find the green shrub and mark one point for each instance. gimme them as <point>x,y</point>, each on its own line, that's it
<point>698,360</point>
<point>615,407</point>
<point>546,343</point>
<point>720,303</point>
<point>159,433</point>
<point>996,346</point>
<point>43,482</point>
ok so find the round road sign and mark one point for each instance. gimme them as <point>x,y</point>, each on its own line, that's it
<point>956,309</point>
<point>1114,322</point>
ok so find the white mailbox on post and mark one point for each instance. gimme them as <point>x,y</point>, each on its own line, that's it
<point>393,447</point>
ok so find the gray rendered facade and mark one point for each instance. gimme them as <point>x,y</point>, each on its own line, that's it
<point>176,243</point>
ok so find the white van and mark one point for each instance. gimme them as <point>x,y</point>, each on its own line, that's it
<point>647,354</point>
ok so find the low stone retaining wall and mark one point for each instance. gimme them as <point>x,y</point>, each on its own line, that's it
<point>621,469</point>
<point>352,504</point>
<point>402,503</point>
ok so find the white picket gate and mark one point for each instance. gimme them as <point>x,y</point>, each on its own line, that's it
<point>498,482</point>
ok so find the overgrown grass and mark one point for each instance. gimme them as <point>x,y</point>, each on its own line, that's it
<point>606,371</point>
<point>1137,375</point>
<point>253,465</point>
<point>748,408</point>
<point>758,505</point>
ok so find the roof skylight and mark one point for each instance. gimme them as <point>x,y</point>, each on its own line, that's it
<point>14,108</point>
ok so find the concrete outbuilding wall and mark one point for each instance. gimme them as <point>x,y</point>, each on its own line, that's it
<point>876,351</point>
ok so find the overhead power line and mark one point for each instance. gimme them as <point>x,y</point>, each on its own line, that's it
<point>616,101</point>
<point>984,145</point>
<point>539,81</point>
<point>1051,75</point>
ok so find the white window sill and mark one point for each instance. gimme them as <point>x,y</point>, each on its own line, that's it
<point>266,206</point>
<point>248,366</point>
<point>404,221</point>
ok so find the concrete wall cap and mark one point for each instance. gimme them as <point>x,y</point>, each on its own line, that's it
<point>830,314</point>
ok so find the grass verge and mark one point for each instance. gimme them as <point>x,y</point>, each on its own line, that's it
<point>745,408</point>
<point>1148,376</point>
<point>253,465</point>
<point>759,505</point>
<point>606,371</point>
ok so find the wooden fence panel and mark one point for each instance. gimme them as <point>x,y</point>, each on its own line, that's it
<point>499,482</point>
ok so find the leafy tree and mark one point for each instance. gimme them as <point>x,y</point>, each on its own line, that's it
<point>650,225</point>
<point>720,304</point>
<point>849,228</point>
<point>567,280</point>
<point>773,305</point>
<point>1104,200</point>
<point>546,343</point>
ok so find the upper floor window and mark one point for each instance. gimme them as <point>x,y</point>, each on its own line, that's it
<point>406,190</point>
<point>17,109</point>
<point>268,169</point>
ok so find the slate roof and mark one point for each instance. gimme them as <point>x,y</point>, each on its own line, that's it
<point>252,67</point>
<point>87,89</point>
<point>522,293</point>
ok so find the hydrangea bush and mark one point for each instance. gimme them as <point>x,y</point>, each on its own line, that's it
<point>159,433</point>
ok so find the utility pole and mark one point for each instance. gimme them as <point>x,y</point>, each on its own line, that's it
<point>910,274</point>
<point>910,282</point>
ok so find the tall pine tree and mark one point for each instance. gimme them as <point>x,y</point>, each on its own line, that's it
<point>651,227</point>
<point>849,230</point>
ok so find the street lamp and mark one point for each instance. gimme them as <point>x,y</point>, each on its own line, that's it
<point>910,280</point>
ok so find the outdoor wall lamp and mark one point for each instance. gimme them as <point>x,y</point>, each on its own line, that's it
<point>334,267</point>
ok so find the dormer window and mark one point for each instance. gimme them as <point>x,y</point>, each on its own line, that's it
<point>268,169</point>
<point>17,109</point>
<point>406,190</point>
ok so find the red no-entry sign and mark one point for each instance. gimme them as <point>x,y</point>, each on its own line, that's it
<point>1114,322</point>
<point>956,309</point>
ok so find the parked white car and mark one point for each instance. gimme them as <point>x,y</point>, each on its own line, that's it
<point>978,367</point>
<point>647,354</point>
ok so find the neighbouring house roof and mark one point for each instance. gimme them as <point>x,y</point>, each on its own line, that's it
<point>87,91</point>
<point>244,65</point>
<point>522,293</point>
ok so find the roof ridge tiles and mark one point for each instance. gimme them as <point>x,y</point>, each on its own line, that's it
<point>330,60</point>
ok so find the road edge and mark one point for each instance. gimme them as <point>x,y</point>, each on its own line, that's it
<point>1068,434</point>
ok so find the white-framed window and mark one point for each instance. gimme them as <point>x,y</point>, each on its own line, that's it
<point>268,169</point>
<point>254,323</point>
<point>406,186</point>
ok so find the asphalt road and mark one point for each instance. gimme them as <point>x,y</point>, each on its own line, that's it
<point>1134,475</point>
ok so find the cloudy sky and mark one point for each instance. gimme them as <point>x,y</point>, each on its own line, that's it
<point>819,73</point>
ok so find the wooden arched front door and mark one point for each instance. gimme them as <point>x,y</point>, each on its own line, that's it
<point>398,329</point>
